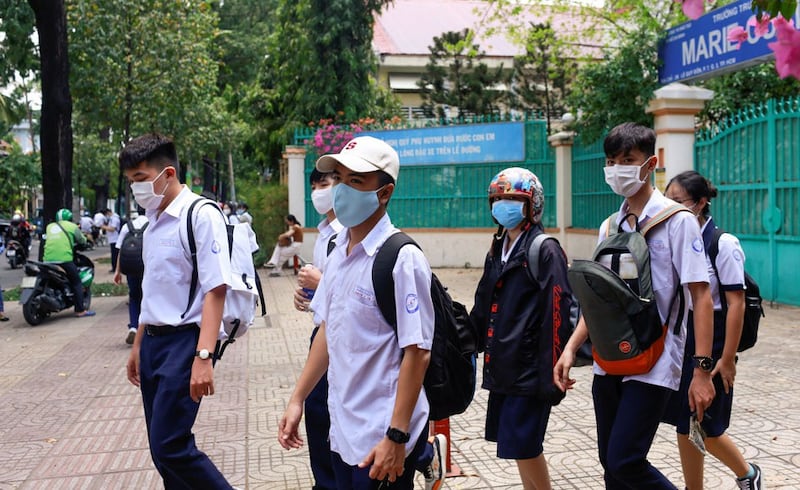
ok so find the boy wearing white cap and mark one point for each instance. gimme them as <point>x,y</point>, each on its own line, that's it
<point>378,409</point>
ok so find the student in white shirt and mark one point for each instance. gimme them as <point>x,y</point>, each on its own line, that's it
<point>628,409</point>
<point>378,409</point>
<point>172,354</point>
<point>695,192</point>
<point>317,419</point>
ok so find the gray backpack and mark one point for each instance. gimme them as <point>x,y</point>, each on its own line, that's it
<point>615,292</point>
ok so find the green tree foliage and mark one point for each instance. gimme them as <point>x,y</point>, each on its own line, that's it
<point>19,173</point>
<point>618,89</point>
<point>140,66</point>
<point>541,76</point>
<point>319,65</point>
<point>739,90</point>
<point>456,77</point>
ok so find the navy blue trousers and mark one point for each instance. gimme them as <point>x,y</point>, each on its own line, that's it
<point>134,300</point>
<point>165,369</point>
<point>627,416</point>
<point>318,425</point>
<point>355,478</point>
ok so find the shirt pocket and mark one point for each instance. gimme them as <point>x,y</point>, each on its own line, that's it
<point>167,263</point>
<point>661,270</point>
<point>359,325</point>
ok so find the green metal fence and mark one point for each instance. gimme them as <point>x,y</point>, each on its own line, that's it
<point>753,158</point>
<point>455,196</point>
<point>592,200</point>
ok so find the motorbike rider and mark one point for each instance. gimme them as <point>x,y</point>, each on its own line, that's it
<point>62,235</point>
<point>19,230</point>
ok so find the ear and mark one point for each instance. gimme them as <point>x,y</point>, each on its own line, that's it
<point>386,194</point>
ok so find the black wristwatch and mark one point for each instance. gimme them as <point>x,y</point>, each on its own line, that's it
<point>397,435</point>
<point>704,363</point>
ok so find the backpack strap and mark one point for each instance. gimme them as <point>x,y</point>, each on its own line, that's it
<point>534,250</point>
<point>663,216</point>
<point>193,247</point>
<point>711,236</point>
<point>610,228</point>
<point>70,238</point>
<point>382,280</point>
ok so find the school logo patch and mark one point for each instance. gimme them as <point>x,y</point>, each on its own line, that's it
<point>737,256</point>
<point>215,248</point>
<point>697,245</point>
<point>412,303</point>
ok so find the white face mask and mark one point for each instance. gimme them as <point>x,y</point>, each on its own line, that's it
<point>624,179</point>
<point>322,199</point>
<point>145,194</point>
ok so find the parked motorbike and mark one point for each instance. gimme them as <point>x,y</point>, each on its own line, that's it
<point>46,289</point>
<point>16,254</point>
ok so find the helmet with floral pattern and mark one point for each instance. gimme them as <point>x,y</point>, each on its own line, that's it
<point>520,182</point>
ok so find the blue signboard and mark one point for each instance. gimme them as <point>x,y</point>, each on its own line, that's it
<point>497,142</point>
<point>700,48</point>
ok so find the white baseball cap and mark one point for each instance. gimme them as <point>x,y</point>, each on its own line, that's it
<point>363,154</point>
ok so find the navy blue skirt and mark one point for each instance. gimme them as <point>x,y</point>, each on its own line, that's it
<point>517,424</point>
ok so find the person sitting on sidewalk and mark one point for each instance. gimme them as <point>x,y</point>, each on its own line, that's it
<point>289,243</point>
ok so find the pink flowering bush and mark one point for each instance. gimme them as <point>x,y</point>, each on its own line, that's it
<point>331,135</point>
<point>786,48</point>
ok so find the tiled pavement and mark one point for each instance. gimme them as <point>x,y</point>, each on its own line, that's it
<point>69,418</point>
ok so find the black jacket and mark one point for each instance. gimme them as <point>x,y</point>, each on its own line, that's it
<point>516,318</point>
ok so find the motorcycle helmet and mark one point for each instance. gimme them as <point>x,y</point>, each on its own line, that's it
<point>517,181</point>
<point>64,215</point>
<point>16,219</point>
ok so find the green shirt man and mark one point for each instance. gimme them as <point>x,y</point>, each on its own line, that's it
<point>61,235</point>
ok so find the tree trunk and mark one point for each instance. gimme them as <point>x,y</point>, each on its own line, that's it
<point>56,128</point>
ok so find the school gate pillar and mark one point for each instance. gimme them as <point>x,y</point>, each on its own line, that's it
<point>563,142</point>
<point>296,161</point>
<point>675,107</point>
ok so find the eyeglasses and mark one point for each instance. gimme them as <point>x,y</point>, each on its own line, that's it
<point>681,201</point>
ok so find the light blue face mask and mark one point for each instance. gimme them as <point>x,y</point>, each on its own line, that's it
<point>507,212</point>
<point>353,207</point>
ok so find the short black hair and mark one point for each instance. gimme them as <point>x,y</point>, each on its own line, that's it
<point>317,176</point>
<point>630,136</point>
<point>154,149</point>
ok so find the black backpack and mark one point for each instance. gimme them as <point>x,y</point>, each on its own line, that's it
<point>450,378</point>
<point>130,253</point>
<point>753,311</point>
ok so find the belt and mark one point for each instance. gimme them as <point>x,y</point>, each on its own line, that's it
<point>159,330</point>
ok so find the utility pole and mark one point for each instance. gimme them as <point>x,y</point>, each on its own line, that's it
<point>230,175</point>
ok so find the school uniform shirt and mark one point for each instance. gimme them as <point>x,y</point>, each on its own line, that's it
<point>86,224</point>
<point>730,266</point>
<point>363,349</point>
<point>168,264</point>
<point>99,219</point>
<point>138,223</point>
<point>677,257</point>
<point>326,230</point>
<point>114,222</point>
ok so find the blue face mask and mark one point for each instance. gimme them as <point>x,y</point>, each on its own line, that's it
<point>507,212</point>
<point>353,207</point>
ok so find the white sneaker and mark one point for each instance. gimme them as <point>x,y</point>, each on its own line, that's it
<point>753,483</point>
<point>131,336</point>
<point>435,472</point>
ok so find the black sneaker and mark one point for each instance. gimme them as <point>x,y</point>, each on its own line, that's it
<point>753,483</point>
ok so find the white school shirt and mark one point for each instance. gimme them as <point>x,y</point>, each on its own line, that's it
<point>676,254</point>
<point>138,222</point>
<point>326,230</point>
<point>168,265</point>
<point>113,221</point>
<point>730,264</point>
<point>364,351</point>
<point>86,224</point>
<point>99,219</point>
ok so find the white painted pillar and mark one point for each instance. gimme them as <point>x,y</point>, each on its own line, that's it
<point>296,160</point>
<point>563,142</point>
<point>675,107</point>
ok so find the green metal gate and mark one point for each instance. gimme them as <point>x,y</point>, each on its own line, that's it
<point>753,158</point>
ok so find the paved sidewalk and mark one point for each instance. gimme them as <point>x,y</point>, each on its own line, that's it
<point>69,418</point>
